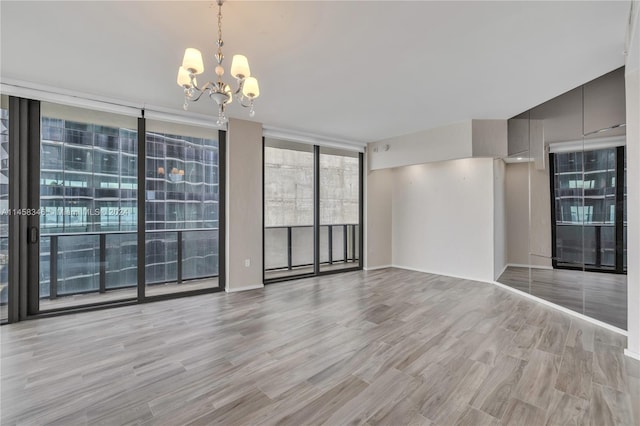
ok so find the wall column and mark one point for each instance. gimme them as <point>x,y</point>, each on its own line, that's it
<point>244,206</point>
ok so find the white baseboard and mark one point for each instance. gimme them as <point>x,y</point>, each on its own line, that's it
<point>522,265</point>
<point>631,354</point>
<point>563,309</point>
<point>375,268</point>
<point>444,274</point>
<point>245,288</point>
<point>501,272</point>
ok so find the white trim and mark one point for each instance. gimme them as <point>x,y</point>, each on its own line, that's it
<point>84,100</point>
<point>502,272</point>
<point>444,274</point>
<point>191,119</point>
<point>587,144</point>
<point>375,268</point>
<point>245,288</point>
<point>523,265</point>
<point>631,354</point>
<point>534,298</point>
<point>312,139</point>
<point>514,159</point>
<point>26,89</point>
<point>76,99</point>
<point>563,309</point>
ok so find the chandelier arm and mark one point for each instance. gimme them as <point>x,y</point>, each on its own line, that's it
<point>240,86</point>
<point>241,101</point>
<point>209,88</point>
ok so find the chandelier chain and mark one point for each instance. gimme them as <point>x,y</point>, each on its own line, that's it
<point>220,42</point>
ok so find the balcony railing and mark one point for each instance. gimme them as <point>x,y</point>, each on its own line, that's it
<point>588,245</point>
<point>77,263</point>
<point>291,247</point>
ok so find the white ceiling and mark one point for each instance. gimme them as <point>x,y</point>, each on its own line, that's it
<point>357,70</point>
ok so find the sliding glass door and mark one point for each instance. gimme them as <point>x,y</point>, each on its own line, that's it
<point>312,210</point>
<point>339,209</point>
<point>105,208</point>
<point>88,207</point>
<point>288,209</point>
<point>182,214</point>
<point>4,208</point>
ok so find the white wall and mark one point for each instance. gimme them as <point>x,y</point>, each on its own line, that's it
<point>441,143</point>
<point>467,139</point>
<point>378,213</point>
<point>489,138</point>
<point>632,81</point>
<point>442,218</point>
<point>244,205</point>
<point>633,211</point>
<point>499,218</point>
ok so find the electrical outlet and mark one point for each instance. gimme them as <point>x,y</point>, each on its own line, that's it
<point>247,263</point>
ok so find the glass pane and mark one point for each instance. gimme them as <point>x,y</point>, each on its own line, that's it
<point>288,209</point>
<point>4,208</point>
<point>339,209</point>
<point>182,208</point>
<point>88,224</point>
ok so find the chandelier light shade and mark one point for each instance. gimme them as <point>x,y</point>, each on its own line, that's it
<point>246,87</point>
<point>240,67</point>
<point>192,61</point>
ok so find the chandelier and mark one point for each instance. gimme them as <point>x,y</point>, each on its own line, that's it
<point>246,90</point>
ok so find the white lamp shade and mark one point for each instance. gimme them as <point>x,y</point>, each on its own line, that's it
<point>183,78</point>
<point>193,61</point>
<point>250,88</point>
<point>240,67</point>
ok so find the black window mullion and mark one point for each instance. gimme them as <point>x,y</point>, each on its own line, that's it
<point>316,209</point>
<point>619,219</point>
<point>222,215</point>
<point>552,184</point>
<point>30,169</point>
<point>142,166</point>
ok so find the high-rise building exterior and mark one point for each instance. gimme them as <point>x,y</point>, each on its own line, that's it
<point>89,192</point>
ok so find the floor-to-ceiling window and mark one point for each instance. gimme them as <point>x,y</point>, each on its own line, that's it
<point>339,209</point>
<point>288,209</point>
<point>589,193</point>
<point>4,208</point>
<point>182,214</point>
<point>88,207</point>
<point>312,209</point>
<point>113,208</point>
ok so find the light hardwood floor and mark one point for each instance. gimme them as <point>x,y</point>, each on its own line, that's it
<point>386,347</point>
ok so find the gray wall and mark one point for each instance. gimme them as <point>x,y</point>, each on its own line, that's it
<point>378,210</point>
<point>244,205</point>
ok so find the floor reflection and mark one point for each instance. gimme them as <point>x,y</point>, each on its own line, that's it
<point>599,295</point>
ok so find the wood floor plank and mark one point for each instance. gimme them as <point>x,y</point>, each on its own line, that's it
<point>576,372</point>
<point>474,417</point>
<point>522,414</point>
<point>493,396</point>
<point>541,371</point>
<point>567,410</point>
<point>387,347</point>
<point>609,367</point>
<point>610,407</point>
